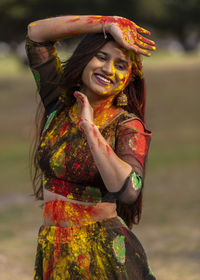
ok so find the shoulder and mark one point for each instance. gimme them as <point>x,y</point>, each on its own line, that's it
<point>131,121</point>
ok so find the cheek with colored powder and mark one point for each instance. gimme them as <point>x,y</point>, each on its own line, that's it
<point>123,79</point>
<point>107,89</point>
<point>112,77</point>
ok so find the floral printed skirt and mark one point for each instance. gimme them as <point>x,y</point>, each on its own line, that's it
<point>104,249</point>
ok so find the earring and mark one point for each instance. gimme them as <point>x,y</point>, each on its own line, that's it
<point>122,99</point>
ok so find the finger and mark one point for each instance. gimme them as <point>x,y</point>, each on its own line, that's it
<point>79,96</point>
<point>145,40</point>
<point>140,50</point>
<point>145,46</point>
<point>142,30</point>
<point>136,48</point>
<point>80,101</point>
<point>78,93</point>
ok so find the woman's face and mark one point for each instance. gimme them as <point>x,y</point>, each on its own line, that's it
<point>107,72</point>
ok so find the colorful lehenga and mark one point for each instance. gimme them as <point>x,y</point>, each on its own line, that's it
<point>76,241</point>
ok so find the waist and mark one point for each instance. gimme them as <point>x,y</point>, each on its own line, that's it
<point>72,191</point>
<point>69,214</point>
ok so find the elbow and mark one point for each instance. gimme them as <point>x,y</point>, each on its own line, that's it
<point>131,199</point>
<point>30,30</point>
<point>33,31</point>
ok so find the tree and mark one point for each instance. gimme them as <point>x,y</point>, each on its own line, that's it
<point>176,17</point>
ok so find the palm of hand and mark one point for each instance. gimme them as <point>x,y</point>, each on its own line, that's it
<point>84,107</point>
<point>125,32</point>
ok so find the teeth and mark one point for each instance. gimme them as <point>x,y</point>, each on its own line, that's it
<point>103,79</point>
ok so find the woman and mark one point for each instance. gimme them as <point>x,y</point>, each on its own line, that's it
<point>92,148</point>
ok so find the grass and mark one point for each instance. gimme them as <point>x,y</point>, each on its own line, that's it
<point>169,229</point>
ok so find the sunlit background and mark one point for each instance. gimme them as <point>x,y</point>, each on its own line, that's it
<point>169,229</point>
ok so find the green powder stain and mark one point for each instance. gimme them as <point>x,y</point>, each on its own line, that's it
<point>37,79</point>
<point>150,271</point>
<point>92,194</point>
<point>137,181</point>
<point>119,248</point>
<point>50,117</point>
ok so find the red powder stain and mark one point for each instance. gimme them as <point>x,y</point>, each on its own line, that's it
<point>80,257</point>
<point>123,80</point>
<point>58,212</point>
<point>57,243</point>
<point>122,22</point>
<point>81,99</point>
<point>67,148</point>
<point>49,269</point>
<point>104,19</point>
<point>94,132</point>
<point>76,165</point>
<point>63,130</point>
<point>108,149</point>
<point>99,143</point>
<point>73,20</point>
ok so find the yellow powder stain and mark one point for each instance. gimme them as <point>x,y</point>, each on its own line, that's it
<point>33,24</point>
<point>58,161</point>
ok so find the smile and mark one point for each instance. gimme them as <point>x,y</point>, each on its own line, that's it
<point>102,79</point>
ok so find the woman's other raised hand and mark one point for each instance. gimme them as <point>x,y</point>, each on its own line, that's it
<point>126,33</point>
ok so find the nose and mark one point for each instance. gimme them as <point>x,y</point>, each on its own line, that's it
<point>108,68</point>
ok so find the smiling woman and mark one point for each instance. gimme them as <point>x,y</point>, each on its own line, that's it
<point>92,148</point>
<point>107,73</point>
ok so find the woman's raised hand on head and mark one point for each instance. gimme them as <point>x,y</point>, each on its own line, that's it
<point>127,34</point>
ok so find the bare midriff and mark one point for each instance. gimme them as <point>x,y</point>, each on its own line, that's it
<point>65,212</point>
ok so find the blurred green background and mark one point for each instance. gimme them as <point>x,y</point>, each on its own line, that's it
<point>169,229</point>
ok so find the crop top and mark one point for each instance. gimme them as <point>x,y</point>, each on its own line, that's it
<point>63,153</point>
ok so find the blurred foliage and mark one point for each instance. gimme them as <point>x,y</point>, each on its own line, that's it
<point>176,18</point>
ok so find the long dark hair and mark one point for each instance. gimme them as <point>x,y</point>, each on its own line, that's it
<point>135,91</point>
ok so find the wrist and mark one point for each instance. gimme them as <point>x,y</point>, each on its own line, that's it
<point>107,22</point>
<point>85,124</point>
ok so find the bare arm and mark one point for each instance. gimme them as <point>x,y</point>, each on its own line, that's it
<point>124,31</point>
<point>113,170</point>
<point>58,28</point>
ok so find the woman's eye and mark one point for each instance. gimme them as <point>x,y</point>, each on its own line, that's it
<point>100,57</point>
<point>120,67</point>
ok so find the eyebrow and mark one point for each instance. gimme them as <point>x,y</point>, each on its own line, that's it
<point>120,59</point>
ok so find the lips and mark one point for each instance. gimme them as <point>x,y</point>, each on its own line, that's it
<point>103,79</point>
